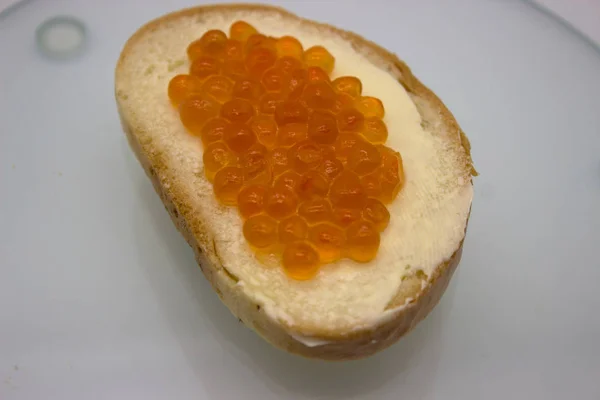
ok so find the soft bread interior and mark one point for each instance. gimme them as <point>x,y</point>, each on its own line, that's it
<point>428,219</point>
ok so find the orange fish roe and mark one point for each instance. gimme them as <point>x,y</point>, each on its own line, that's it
<point>301,156</point>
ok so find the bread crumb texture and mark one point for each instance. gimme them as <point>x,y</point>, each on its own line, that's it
<point>428,218</point>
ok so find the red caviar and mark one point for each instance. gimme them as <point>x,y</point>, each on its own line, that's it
<point>301,156</point>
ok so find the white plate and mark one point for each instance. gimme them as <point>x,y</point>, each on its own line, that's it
<point>100,297</point>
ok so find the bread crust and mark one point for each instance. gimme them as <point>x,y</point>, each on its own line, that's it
<point>417,302</point>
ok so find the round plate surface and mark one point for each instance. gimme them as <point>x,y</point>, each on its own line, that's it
<point>100,297</point>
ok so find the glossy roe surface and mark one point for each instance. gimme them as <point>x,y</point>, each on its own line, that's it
<point>302,157</point>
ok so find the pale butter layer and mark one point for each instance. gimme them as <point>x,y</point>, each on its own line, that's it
<point>428,218</point>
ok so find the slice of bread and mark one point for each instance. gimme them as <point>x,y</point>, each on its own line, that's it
<point>348,310</point>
